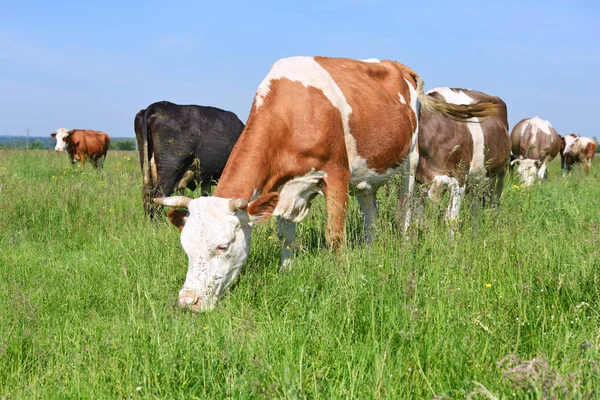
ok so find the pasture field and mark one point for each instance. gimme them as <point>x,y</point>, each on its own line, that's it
<point>507,308</point>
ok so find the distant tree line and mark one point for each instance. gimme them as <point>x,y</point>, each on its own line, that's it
<point>122,144</point>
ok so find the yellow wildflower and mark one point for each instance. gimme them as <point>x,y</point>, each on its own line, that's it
<point>488,285</point>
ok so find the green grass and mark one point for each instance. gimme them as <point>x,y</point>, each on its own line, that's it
<point>88,288</point>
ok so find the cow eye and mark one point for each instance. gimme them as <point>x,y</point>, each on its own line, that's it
<point>64,138</point>
<point>222,248</point>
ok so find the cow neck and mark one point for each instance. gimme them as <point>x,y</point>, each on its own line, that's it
<point>250,167</point>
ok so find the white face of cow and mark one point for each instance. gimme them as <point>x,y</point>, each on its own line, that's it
<point>61,135</point>
<point>570,144</point>
<point>527,170</point>
<point>215,234</point>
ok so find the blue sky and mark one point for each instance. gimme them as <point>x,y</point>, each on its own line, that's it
<point>93,65</point>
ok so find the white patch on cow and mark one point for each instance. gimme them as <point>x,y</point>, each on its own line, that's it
<point>402,99</point>
<point>414,104</point>
<point>61,139</point>
<point>295,196</point>
<point>366,180</point>
<point>217,241</point>
<point>460,97</point>
<point>569,142</point>
<point>153,170</point>
<point>372,60</point>
<point>544,125</point>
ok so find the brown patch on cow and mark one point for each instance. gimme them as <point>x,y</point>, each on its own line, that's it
<point>380,123</point>
<point>590,150</point>
<point>177,218</point>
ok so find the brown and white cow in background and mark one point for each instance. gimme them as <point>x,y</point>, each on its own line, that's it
<point>81,144</point>
<point>456,155</point>
<point>317,126</point>
<point>575,149</point>
<point>534,144</point>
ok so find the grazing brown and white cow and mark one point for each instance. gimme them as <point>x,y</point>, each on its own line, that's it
<point>575,149</point>
<point>317,126</point>
<point>81,144</point>
<point>534,144</point>
<point>456,155</point>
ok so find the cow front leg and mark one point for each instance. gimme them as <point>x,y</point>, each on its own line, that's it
<point>335,188</point>
<point>586,165</point>
<point>286,231</point>
<point>101,163</point>
<point>543,171</point>
<point>368,206</point>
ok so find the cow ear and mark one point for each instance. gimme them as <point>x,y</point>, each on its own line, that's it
<point>178,218</point>
<point>262,208</point>
<point>53,135</point>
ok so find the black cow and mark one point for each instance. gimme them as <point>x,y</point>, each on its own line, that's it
<point>182,146</point>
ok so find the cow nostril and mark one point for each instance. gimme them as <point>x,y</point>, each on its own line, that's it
<point>196,305</point>
<point>190,301</point>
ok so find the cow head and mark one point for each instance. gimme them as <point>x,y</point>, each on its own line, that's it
<point>527,169</point>
<point>215,234</point>
<point>61,135</point>
<point>567,143</point>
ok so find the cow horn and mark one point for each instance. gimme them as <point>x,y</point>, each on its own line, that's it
<point>174,201</point>
<point>237,204</point>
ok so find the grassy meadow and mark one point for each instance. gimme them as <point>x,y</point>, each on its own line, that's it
<point>507,308</point>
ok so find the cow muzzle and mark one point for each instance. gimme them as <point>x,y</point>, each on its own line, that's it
<point>189,300</point>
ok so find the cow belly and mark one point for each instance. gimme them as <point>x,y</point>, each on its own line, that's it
<point>364,180</point>
<point>296,194</point>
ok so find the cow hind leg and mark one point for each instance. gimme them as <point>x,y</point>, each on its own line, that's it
<point>368,205</point>
<point>405,208</point>
<point>457,194</point>
<point>335,188</point>
<point>286,231</point>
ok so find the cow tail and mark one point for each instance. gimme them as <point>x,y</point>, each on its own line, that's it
<point>147,185</point>
<point>458,112</point>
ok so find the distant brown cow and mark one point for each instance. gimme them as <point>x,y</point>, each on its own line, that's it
<point>81,144</point>
<point>574,149</point>
<point>534,144</point>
